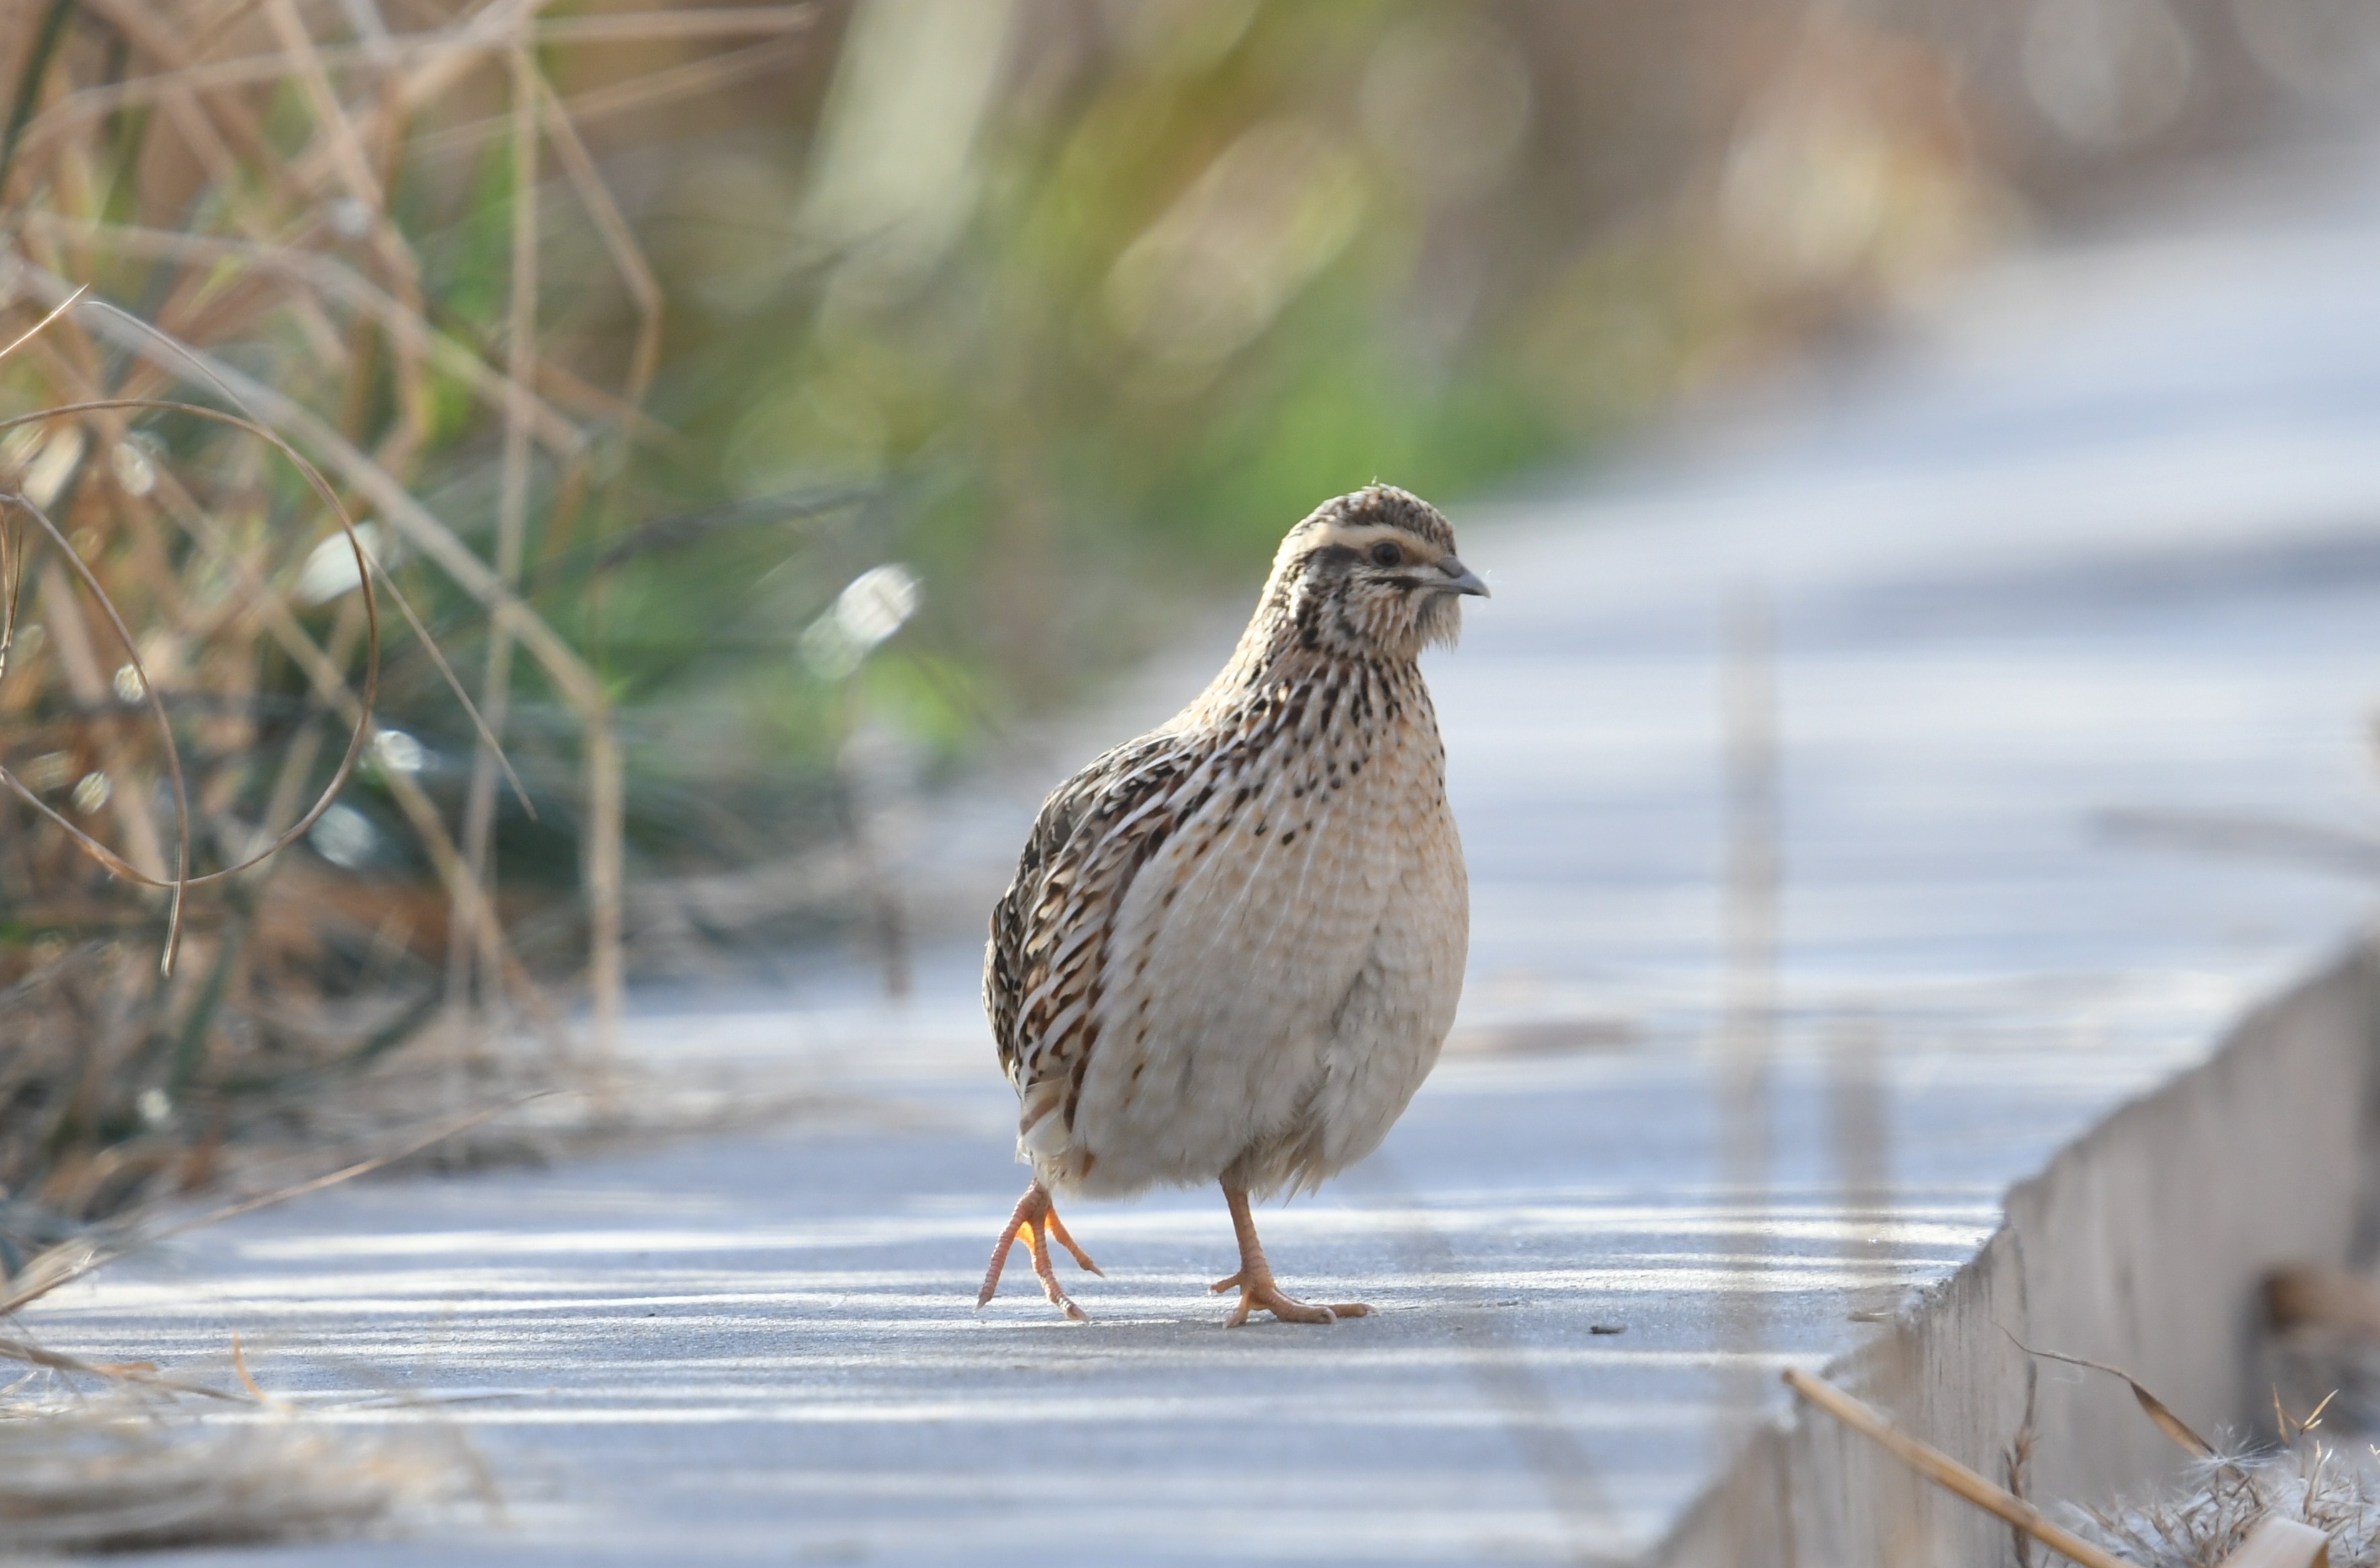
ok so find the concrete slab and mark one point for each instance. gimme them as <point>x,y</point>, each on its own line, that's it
<point>2101,533</point>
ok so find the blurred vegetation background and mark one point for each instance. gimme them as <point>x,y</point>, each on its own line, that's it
<point>833,388</point>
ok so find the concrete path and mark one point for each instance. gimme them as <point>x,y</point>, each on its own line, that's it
<point>2099,534</point>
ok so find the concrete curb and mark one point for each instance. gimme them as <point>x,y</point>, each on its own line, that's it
<point>2141,1244</point>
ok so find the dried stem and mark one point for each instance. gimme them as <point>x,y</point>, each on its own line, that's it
<point>1946,1472</point>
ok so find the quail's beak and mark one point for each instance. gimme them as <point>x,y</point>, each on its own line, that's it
<point>1465,580</point>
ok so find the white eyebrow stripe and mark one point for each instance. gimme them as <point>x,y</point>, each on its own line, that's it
<point>1357,536</point>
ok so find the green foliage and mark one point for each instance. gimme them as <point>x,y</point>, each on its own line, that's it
<point>1184,296</point>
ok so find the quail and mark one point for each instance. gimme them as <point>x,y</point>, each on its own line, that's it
<point>1234,946</point>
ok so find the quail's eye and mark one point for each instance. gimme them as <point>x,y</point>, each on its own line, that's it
<point>1386,553</point>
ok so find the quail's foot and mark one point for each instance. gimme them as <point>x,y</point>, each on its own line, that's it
<point>1036,1219</point>
<point>1254,1281</point>
<point>1261,1293</point>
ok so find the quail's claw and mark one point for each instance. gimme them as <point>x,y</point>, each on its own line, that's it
<point>1264,1293</point>
<point>1037,1240</point>
<point>1254,1282</point>
<point>1036,1219</point>
<point>999,1256</point>
<point>1058,1229</point>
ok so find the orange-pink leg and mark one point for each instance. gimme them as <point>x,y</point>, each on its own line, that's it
<point>1036,1219</point>
<point>1254,1281</point>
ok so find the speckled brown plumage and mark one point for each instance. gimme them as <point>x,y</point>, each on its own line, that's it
<point>1234,945</point>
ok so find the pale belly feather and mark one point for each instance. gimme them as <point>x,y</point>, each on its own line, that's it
<point>1279,977</point>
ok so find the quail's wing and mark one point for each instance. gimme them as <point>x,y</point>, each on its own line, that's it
<point>1049,930</point>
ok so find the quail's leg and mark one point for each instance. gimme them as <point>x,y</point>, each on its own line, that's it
<point>1036,1219</point>
<point>1254,1281</point>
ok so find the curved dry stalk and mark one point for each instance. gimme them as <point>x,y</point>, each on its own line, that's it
<point>2160,1415</point>
<point>366,571</point>
<point>98,851</point>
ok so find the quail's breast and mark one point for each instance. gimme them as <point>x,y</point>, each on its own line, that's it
<point>1244,935</point>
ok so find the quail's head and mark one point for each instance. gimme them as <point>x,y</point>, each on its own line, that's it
<point>1372,574</point>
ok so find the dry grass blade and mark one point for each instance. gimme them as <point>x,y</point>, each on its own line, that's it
<point>678,81</point>
<point>123,1473</point>
<point>143,1375</point>
<point>619,243</point>
<point>126,1471</point>
<point>1946,1472</point>
<point>455,685</point>
<point>36,65</point>
<point>36,330</point>
<point>248,1379</point>
<point>2171,1425</point>
<point>2309,1504</point>
<point>372,577</point>
<point>471,940</point>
